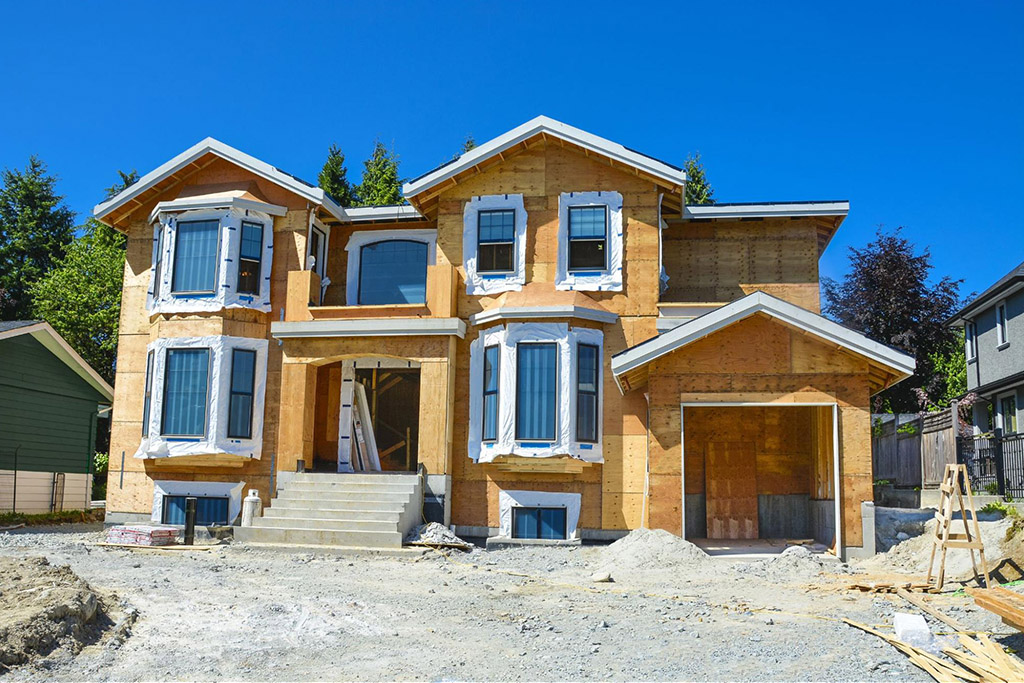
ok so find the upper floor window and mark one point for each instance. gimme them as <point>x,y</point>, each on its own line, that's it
<point>494,244</point>
<point>393,272</point>
<point>971,340</point>
<point>497,241</point>
<point>195,257</point>
<point>1001,336</point>
<point>148,397</point>
<point>250,257</point>
<point>589,242</point>
<point>588,237</point>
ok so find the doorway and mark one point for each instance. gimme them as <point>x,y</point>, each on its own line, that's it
<point>393,398</point>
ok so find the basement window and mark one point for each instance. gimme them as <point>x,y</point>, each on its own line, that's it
<point>540,523</point>
<point>210,510</point>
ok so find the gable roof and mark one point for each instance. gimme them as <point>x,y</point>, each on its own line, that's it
<point>668,174</point>
<point>897,362</point>
<point>1004,286</point>
<point>55,344</point>
<point>205,148</point>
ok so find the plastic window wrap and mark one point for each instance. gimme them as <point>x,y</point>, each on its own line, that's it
<point>487,283</point>
<point>227,489</point>
<point>539,499</point>
<point>608,280</point>
<point>360,239</point>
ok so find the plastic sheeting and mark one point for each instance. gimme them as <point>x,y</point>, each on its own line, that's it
<point>360,239</point>
<point>159,298</point>
<point>609,280</point>
<point>215,440</point>
<point>477,283</point>
<point>539,499</point>
<point>219,489</point>
<point>506,444</point>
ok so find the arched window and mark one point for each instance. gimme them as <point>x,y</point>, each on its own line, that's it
<point>393,272</point>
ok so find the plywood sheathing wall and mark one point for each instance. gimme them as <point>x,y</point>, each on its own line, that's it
<point>726,260</point>
<point>759,360</point>
<point>612,494</point>
<point>137,329</point>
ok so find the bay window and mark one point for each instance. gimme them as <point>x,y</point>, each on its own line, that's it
<point>243,382</point>
<point>186,373</point>
<point>588,358</point>
<point>148,397</point>
<point>491,370</point>
<point>536,391</point>
<point>195,258</point>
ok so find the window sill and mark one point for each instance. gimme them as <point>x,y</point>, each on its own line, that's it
<point>1002,346</point>
<point>973,359</point>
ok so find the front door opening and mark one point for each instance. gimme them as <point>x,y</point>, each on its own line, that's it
<point>393,397</point>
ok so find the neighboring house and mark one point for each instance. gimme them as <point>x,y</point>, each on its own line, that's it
<point>993,326</point>
<point>504,328</point>
<point>50,400</point>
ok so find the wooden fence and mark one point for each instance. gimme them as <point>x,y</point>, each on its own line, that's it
<point>912,450</point>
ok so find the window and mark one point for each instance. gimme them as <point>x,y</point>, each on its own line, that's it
<point>1008,412</point>
<point>148,398</point>
<point>249,258</point>
<point>548,523</point>
<point>497,241</point>
<point>588,237</point>
<point>243,382</point>
<point>185,388</point>
<point>195,258</point>
<point>316,251</point>
<point>587,360</point>
<point>491,370</point>
<point>536,391</point>
<point>158,260</point>
<point>1001,324</point>
<point>210,510</point>
<point>971,340</point>
<point>393,272</point>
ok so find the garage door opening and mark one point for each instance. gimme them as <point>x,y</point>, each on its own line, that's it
<point>759,473</point>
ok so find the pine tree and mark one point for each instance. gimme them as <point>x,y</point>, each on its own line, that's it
<point>698,189</point>
<point>334,178</point>
<point>381,185</point>
<point>36,227</point>
<point>468,144</point>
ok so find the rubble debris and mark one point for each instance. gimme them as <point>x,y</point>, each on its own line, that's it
<point>434,535</point>
<point>602,577</point>
<point>654,549</point>
<point>795,562</point>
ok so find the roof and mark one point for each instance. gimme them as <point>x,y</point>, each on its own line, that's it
<point>215,147</point>
<point>836,207</point>
<point>48,337</point>
<point>383,214</point>
<point>543,125</point>
<point>538,300</point>
<point>244,196</point>
<point>1005,285</point>
<point>643,353</point>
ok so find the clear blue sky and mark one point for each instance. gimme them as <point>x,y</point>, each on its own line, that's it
<point>912,111</point>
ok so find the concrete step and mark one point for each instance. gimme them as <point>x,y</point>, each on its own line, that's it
<point>350,486</point>
<point>321,523</point>
<point>341,500</point>
<point>391,514</point>
<point>333,493</point>
<point>357,477</point>
<point>306,536</point>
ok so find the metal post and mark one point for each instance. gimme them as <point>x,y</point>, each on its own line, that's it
<point>300,466</point>
<point>998,446</point>
<point>121,484</point>
<point>14,501</point>
<point>190,520</point>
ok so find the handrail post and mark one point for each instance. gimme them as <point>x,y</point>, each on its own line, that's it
<point>998,446</point>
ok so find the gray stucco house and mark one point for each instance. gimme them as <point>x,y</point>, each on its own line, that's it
<point>994,343</point>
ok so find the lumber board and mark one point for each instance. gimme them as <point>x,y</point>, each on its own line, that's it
<point>1002,602</point>
<point>919,602</point>
<point>131,546</point>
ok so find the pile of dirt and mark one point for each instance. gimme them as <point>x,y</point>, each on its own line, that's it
<point>434,534</point>
<point>651,549</point>
<point>796,562</point>
<point>44,608</point>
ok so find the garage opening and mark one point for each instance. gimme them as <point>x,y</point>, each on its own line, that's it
<point>759,472</point>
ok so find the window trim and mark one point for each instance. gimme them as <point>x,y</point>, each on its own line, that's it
<point>320,258</point>
<point>258,260</point>
<point>359,275</point>
<point>158,261</point>
<point>480,242</point>
<point>496,370</point>
<point>1002,415</point>
<point>216,259</point>
<point>1002,326</point>
<point>596,393</point>
<point>971,340</point>
<point>570,239</point>
<point>517,510</point>
<point>232,393</point>
<point>206,412</point>
<point>611,278</point>
<point>147,400</point>
<point>558,376</point>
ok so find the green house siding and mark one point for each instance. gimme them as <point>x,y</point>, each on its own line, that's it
<point>47,411</point>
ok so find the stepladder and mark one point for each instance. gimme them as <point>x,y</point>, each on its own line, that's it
<point>955,488</point>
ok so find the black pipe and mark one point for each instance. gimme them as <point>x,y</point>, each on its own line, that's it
<point>190,520</point>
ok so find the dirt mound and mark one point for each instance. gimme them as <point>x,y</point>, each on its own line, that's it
<point>796,562</point>
<point>44,608</point>
<point>651,549</point>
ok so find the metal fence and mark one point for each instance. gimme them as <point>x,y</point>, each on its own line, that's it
<point>995,462</point>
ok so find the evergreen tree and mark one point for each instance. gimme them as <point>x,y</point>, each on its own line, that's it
<point>381,185</point>
<point>468,144</point>
<point>334,178</point>
<point>36,227</point>
<point>698,189</point>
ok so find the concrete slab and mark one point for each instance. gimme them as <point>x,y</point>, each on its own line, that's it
<point>749,549</point>
<point>495,542</point>
<point>341,550</point>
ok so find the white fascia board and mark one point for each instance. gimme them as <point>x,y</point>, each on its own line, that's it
<point>192,203</point>
<point>549,126</point>
<point>366,214</point>
<point>238,157</point>
<point>369,327</point>
<point>55,344</point>
<point>759,302</point>
<point>535,312</point>
<point>791,209</point>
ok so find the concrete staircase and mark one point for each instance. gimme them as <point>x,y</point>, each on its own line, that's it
<point>361,510</point>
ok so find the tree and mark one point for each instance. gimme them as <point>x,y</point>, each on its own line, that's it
<point>334,178</point>
<point>887,296</point>
<point>81,295</point>
<point>468,144</point>
<point>698,189</point>
<point>950,373</point>
<point>381,185</point>
<point>36,227</point>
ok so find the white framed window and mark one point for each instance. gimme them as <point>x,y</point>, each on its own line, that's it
<point>389,266</point>
<point>219,501</point>
<point>589,242</point>
<point>206,260</point>
<point>536,391</point>
<point>1001,336</point>
<point>1008,413</point>
<point>204,395</point>
<point>971,340</point>
<point>538,514</point>
<point>494,244</point>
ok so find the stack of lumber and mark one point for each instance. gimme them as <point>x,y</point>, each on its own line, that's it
<point>141,534</point>
<point>892,587</point>
<point>1001,602</point>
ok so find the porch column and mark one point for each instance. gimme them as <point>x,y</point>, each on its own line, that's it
<point>298,394</point>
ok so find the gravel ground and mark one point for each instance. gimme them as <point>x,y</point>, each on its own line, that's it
<point>234,612</point>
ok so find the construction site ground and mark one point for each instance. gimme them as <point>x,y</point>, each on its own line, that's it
<point>532,613</point>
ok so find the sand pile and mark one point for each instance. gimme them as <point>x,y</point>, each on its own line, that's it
<point>43,608</point>
<point>651,549</point>
<point>433,533</point>
<point>796,562</point>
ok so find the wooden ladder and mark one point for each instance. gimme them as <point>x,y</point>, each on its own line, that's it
<point>954,483</point>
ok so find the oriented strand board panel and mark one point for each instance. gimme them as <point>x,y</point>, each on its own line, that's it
<point>731,476</point>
